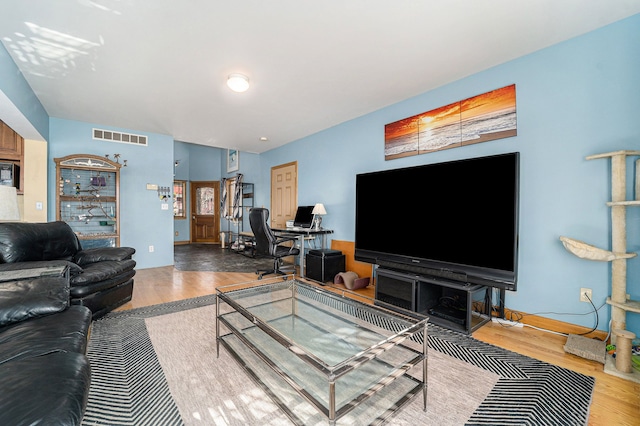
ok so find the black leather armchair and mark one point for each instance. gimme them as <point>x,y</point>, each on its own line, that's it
<point>267,244</point>
<point>101,278</point>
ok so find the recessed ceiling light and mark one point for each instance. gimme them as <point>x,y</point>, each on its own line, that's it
<point>238,82</point>
<point>264,138</point>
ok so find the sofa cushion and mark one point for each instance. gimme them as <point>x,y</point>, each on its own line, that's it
<point>84,290</point>
<point>24,299</point>
<point>24,242</point>
<point>63,332</point>
<point>100,271</point>
<point>106,301</point>
<point>99,254</point>
<point>48,390</point>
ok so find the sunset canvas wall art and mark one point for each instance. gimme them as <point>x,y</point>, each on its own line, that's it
<point>481,118</point>
<point>489,116</point>
<point>439,129</point>
<point>401,138</point>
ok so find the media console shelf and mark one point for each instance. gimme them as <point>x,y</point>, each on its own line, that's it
<point>451,304</point>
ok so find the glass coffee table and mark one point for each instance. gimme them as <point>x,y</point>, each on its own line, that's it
<point>322,356</point>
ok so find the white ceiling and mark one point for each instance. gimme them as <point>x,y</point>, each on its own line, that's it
<point>161,65</point>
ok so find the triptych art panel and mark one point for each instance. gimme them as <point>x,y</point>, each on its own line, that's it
<point>481,118</point>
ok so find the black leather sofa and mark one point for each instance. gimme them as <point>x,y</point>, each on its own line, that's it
<point>101,278</point>
<point>45,374</point>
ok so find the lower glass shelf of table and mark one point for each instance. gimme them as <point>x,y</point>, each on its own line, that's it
<point>329,356</point>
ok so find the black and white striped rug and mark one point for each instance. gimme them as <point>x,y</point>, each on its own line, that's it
<point>129,386</point>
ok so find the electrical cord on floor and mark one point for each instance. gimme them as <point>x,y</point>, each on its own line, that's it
<point>519,316</point>
<point>544,329</point>
<point>512,314</point>
<point>594,311</point>
<point>608,333</point>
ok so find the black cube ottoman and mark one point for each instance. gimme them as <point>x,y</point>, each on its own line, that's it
<point>323,264</point>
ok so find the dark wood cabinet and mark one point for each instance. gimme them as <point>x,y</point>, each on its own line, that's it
<point>12,150</point>
<point>11,143</point>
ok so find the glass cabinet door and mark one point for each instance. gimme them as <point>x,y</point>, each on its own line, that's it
<point>87,198</point>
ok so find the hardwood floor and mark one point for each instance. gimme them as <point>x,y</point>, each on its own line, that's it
<point>615,401</point>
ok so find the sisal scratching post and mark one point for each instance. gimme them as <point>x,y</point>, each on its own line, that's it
<point>623,350</point>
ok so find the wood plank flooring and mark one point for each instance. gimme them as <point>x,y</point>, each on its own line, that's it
<point>615,401</point>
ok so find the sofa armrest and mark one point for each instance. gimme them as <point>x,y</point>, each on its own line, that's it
<point>74,269</point>
<point>99,254</point>
<point>24,299</point>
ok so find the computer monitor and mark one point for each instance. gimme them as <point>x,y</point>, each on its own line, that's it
<point>304,217</point>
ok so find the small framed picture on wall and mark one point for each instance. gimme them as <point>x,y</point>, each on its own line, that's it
<point>233,160</point>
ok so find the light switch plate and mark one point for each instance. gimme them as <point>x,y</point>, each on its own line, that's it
<point>152,187</point>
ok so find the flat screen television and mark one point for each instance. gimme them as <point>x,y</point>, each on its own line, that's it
<point>456,219</point>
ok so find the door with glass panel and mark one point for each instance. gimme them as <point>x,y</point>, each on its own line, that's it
<point>205,217</point>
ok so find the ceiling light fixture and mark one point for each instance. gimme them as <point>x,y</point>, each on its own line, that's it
<point>238,82</point>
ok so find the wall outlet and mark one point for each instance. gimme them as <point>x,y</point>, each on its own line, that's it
<point>587,292</point>
<point>151,249</point>
<point>177,233</point>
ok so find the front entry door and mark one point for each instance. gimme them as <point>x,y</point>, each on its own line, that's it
<point>205,217</point>
<point>284,194</point>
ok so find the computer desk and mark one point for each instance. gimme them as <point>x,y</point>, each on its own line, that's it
<point>301,234</point>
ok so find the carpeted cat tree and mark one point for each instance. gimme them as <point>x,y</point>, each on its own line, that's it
<point>620,304</point>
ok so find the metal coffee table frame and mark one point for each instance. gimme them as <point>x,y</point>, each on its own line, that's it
<point>287,324</point>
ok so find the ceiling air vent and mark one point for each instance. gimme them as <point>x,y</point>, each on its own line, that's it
<point>109,135</point>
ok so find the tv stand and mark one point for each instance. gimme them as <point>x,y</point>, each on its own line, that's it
<point>456,305</point>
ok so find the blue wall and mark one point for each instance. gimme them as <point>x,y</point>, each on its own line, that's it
<point>201,163</point>
<point>574,99</point>
<point>182,153</point>
<point>249,166</point>
<point>142,221</point>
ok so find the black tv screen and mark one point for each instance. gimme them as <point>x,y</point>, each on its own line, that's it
<point>453,218</point>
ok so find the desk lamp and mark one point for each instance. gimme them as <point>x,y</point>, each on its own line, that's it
<point>318,211</point>
<point>9,211</point>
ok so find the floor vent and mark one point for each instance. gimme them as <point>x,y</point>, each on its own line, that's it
<point>108,135</point>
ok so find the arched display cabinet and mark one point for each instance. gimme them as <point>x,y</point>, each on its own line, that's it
<point>88,198</point>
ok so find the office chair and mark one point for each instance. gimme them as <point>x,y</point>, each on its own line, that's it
<point>267,244</point>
